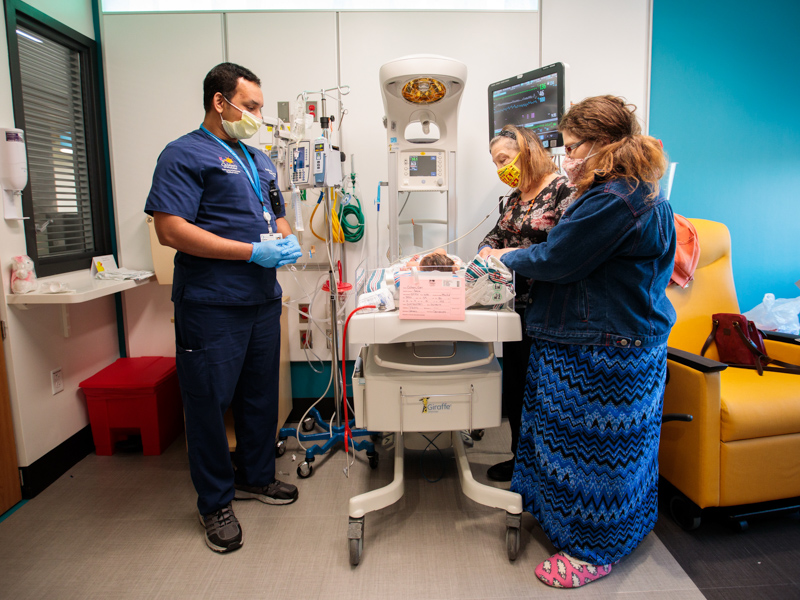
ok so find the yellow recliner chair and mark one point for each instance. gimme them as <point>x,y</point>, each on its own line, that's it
<point>742,449</point>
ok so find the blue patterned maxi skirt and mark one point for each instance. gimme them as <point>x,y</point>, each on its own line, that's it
<point>587,461</point>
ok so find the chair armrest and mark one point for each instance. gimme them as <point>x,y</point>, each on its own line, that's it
<point>695,361</point>
<point>779,336</point>
<point>689,455</point>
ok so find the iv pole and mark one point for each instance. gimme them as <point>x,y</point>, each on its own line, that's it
<point>334,434</point>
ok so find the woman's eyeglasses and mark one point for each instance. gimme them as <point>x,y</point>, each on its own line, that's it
<point>572,147</point>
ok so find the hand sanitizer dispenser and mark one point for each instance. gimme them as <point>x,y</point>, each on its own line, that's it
<point>13,171</point>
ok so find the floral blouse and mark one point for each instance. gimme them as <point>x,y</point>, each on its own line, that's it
<point>526,223</point>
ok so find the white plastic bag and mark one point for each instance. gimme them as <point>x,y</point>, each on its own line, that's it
<point>779,314</point>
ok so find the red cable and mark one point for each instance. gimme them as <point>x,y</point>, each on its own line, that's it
<point>347,433</point>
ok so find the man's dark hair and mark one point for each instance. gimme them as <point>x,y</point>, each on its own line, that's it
<point>224,78</point>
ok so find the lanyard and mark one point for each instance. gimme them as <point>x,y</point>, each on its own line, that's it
<point>253,178</point>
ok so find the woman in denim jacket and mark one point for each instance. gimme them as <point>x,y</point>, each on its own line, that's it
<point>587,460</point>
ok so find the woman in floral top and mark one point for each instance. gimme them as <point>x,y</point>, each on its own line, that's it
<point>540,198</point>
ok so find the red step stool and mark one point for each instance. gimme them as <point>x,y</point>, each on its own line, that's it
<point>135,394</point>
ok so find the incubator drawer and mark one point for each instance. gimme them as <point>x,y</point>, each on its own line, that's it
<point>392,399</point>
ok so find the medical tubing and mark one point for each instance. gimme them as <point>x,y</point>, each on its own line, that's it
<point>305,414</point>
<point>347,433</point>
<point>461,237</point>
<point>352,233</point>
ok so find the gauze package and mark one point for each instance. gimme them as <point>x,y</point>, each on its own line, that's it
<point>382,299</point>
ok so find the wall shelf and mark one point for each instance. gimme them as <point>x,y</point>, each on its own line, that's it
<point>86,288</point>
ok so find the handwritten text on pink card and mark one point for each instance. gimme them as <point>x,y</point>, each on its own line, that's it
<point>432,297</point>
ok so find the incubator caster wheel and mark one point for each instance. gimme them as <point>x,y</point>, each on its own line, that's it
<point>373,457</point>
<point>304,470</point>
<point>355,539</point>
<point>512,542</point>
<point>280,448</point>
<point>477,434</point>
<point>685,512</point>
<point>356,549</point>
<point>307,424</point>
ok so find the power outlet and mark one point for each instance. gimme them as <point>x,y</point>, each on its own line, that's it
<point>306,339</point>
<point>303,308</point>
<point>57,380</point>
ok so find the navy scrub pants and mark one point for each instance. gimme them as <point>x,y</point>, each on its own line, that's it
<point>228,356</point>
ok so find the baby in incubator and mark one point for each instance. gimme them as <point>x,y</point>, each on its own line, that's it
<point>488,282</point>
<point>438,260</point>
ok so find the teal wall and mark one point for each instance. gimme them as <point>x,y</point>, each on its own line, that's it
<point>725,100</point>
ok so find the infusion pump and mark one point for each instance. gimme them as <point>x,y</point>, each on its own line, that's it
<point>422,171</point>
<point>299,163</point>
<point>314,163</point>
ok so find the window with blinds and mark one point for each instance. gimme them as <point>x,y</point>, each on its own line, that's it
<point>55,86</point>
<point>56,144</point>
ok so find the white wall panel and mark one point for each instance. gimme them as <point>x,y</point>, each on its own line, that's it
<point>154,66</point>
<point>606,44</point>
<point>368,40</point>
<point>281,50</point>
<point>76,14</point>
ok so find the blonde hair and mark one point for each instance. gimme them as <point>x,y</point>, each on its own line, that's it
<point>534,163</point>
<point>626,153</point>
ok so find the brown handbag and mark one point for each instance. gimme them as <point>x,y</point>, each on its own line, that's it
<point>740,344</point>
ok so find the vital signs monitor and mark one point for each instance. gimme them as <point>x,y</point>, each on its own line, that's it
<point>535,100</point>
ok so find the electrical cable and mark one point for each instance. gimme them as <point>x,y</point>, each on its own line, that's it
<point>461,237</point>
<point>422,458</point>
<point>408,195</point>
<point>336,229</point>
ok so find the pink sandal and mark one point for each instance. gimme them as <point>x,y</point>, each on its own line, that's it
<point>561,571</point>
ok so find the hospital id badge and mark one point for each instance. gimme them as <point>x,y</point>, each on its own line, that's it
<point>271,237</point>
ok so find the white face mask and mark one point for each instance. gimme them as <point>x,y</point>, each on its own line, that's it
<point>243,129</point>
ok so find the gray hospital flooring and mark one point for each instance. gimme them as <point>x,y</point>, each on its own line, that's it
<point>125,526</point>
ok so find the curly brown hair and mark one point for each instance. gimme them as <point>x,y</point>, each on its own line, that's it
<point>625,153</point>
<point>533,163</point>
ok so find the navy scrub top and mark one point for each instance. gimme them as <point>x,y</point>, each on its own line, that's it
<point>196,178</point>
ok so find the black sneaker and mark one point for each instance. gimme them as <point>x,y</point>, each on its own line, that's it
<point>501,471</point>
<point>276,492</point>
<point>223,533</point>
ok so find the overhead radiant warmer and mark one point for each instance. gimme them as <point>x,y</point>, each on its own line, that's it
<point>422,375</point>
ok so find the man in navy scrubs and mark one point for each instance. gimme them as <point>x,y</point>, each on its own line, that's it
<point>216,201</point>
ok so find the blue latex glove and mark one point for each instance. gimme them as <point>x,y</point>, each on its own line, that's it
<point>291,250</point>
<point>290,246</point>
<point>267,254</point>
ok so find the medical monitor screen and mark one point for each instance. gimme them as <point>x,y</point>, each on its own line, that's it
<point>533,100</point>
<point>299,158</point>
<point>422,166</point>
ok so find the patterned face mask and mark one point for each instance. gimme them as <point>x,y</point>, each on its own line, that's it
<point>510,173</point>
<point>575,167</point>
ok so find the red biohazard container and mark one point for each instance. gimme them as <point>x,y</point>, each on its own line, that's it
<point>135,395</point>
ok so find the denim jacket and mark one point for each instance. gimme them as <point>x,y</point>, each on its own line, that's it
<point>601,276</point>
